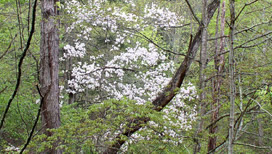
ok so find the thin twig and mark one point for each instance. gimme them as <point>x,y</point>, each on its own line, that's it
<point>253,39</point>
<point>249,46</point>
<point>8,47</point>
<point>250,28</point>
<point>254,146</point>
<point>261,107</point>
<point>19,22</point>
<point>247,4</point>
<point>166,50</point>
<point>3,89</point>
<point>254,45</point>
<point>215,38</point>
<point>158,46</point>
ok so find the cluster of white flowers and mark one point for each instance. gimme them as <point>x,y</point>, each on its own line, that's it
<point>128,17</point>
<point>93,14</point>
<point>162,17</point>
<point>12,148</point>
<point>175,110</point>
<point>77,51</point>
<point>178,107</point>
<point>85,76</point>
<point>139,72</point>
<point>89,75</point>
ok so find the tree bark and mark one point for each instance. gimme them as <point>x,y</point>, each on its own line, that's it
<point>169,91</point>
<point>231,76</point>
<point>49,68</point>
<point>202,77</point>
<point>219,67</point>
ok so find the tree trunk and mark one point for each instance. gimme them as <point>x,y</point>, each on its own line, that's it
<point>49,68</point>
<point>219,66</point>
<point>202,77</point>
<point>231,75</point>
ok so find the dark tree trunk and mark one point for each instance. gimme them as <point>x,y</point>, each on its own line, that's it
<point>49,68</point>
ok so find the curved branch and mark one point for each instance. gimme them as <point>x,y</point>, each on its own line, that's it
<point>20,64</point>
<point>36,121</point>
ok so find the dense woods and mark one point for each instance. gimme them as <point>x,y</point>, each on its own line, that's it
<point>136,76</point>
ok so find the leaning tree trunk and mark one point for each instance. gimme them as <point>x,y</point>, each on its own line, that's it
<point>168,92</point>
<point>49,68</point>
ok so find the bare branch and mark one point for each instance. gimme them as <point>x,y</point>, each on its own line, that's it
<point>8,47</point>
<point>193,13</point>
<point>227,115</point>
<point>261,107</point>
<point>257,135</point>
<point>254,45</point>
<point>36,121</point>
<point>253,39</point>
<point>246,42</point>
<point>247,4</point>
<point>3,89</point>
<point>166,50</point>
<point>116,68</point>
<point>215,38</point>
<point>250,28</point>
<point>253,146</point>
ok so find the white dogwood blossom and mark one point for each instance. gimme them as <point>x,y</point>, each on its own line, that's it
<point>162,17</point>
<point>77,51</point>
<point>129,66</point>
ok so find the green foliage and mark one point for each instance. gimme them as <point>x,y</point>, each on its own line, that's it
<point>88,128</point>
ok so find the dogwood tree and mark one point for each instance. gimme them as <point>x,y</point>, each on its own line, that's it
<point>131,64</point>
